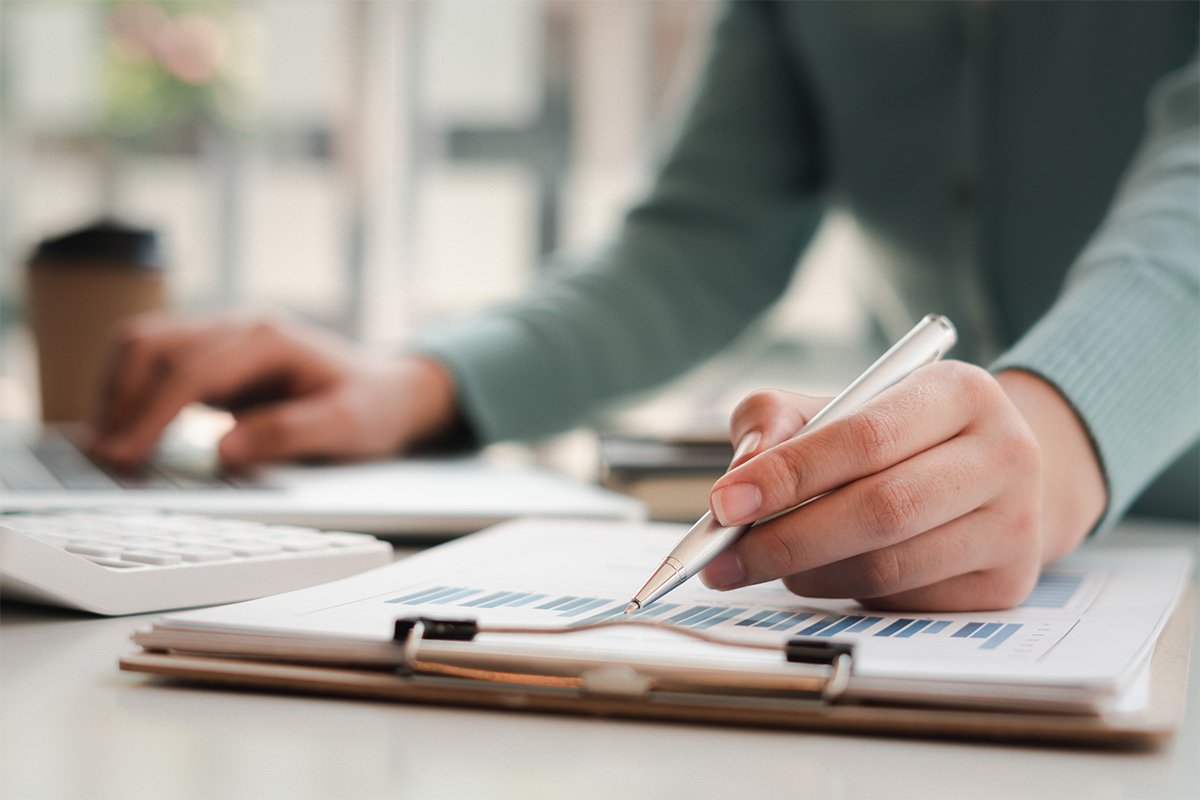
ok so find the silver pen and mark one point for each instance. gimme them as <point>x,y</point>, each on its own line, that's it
<point>932,337</point>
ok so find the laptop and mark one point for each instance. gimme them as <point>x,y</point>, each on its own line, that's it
<point>43,468</point>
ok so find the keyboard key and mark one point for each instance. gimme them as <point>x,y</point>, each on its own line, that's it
<point>199,554</point>
<point>113,562</point>
<point>247,549</point>
<point>89,549</point>
<point>150,557</point>
<point>344,539</point>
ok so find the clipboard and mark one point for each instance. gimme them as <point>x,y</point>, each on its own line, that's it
<point>813,703</point>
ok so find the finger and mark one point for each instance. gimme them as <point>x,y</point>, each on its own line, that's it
<point>312,426</point>
<point>767,417</point>
<point>965,546</point>
<point>920,494</point>
<point>934,404</point>
<point>132,360</point>
<point>188,375</point>
<point>984,590</point>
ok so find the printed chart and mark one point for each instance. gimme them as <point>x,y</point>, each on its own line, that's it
<point>1055,590</point>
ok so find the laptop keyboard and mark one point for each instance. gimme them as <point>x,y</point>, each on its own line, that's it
<point>50,461</point>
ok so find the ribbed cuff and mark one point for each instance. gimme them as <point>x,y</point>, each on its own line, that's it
<point>502,385</point>
<point>1122,345</point>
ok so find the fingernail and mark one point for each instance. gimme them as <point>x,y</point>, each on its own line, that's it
<point>748,444</point>
<point>724,572</point>
<point>738,502</point>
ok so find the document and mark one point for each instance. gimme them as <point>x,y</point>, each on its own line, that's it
<point>1079,642</point>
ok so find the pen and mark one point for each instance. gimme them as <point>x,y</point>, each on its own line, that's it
<point>932,337</point>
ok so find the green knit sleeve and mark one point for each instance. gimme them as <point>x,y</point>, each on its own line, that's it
<point>711,246</point>
<point>1122,342</point>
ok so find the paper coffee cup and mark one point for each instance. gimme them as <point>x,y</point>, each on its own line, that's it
<point>81,286</point>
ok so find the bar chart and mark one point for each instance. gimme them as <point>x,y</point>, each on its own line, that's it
<point>1053,591</point>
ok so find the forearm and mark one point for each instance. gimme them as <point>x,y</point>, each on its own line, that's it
<point>711,246</point>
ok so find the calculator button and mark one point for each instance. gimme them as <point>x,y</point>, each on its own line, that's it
<point>147,557</point>
<point>198,554</point>
<point>89,549</point>
<point>246,549</point>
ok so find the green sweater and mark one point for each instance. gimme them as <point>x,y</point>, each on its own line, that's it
<point>1031,170</point>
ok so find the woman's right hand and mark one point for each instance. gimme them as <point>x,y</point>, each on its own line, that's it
<point>295,392</point>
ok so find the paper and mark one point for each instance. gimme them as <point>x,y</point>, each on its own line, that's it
<point>1087,627</point>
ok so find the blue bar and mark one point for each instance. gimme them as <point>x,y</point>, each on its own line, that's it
<point>895,627</point>
<point>585,607</point>
<point>575,603</point>
<point>514,602</point>
<point>728,615</point>
<point>759,617</point>
<point>614,612</point>
<point>487,598</point>
<point>824,622</point>
<point>911,629</point>
<point>415,595</point>
<point>862,626</point>
<point>503,601</point>
<point>841,626</point>
<point>1005,632</point>
<point>444,593</point>
<point>459,595</point>
<point>682,615</point>
<point>790,621</point>
<point>966,630</point>
<point>654,610</point>
<point>986,631</point>
<point>778,616</point>
<point>698,618</point>
<point>558,602</point>
<point>938,626</point>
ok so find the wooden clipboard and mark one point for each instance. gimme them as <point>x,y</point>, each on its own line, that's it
<point>1151,726</point>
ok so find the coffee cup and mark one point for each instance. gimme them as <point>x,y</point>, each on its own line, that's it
<point>82,285</point>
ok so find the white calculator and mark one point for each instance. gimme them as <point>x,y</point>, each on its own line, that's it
<point>108,562</point>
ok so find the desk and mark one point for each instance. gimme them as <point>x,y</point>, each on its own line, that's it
<point>71,725</point>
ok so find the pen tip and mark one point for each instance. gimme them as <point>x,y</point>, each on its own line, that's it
<point>633,606</point>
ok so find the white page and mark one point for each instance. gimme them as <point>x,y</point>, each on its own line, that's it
<point>1090,624</point>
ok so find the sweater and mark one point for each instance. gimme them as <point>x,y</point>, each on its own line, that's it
<point>1031,170</point>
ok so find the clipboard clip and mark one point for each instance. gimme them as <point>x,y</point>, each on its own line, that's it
<point>442,647</point>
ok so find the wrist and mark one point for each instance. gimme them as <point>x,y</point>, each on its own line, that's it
<point>1074,494</point>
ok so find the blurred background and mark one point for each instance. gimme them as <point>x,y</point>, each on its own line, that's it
<point>373,165</point>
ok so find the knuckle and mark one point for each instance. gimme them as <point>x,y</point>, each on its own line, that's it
<point>781,553</point>
<point>879,573</point>
<point>781,474</point>
<point>1021,449</point>
<point>972,383</point>
<point>760,404</point>
<point>179,369</point>
<point>875,435</point>
<point>1009,588</point>
<point>892,507</point>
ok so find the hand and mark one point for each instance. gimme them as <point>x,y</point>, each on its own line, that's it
<point>295,392</point>
<point>948,492</point>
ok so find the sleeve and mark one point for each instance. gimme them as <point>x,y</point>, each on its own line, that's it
<point>712,245</point>
<point>1122,342</point>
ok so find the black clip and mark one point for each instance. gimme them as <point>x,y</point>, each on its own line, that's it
<point>458,630</point>
<point>816,651</point>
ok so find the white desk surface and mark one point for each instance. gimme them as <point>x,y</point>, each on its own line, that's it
<point>72,725</point>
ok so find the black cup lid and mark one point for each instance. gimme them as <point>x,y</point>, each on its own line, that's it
<point>103,241</point>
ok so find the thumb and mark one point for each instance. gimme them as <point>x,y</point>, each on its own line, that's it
<point>300,428</point>
<point>767,417</point>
